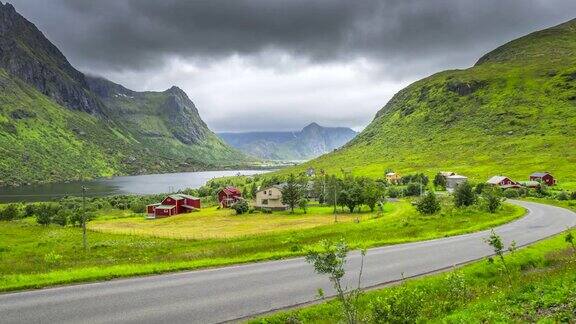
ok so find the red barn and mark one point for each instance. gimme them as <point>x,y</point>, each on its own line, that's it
<point>228,196</point>
<point>543,177</point>
<point>503,182</point>
<point>173,205</point>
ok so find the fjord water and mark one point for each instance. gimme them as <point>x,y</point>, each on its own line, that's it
<point>136,185</point>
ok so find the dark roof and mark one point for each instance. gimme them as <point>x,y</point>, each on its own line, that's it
<point>539,174</point>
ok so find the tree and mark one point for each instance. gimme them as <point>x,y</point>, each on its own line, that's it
<point>330,260</point>
<point>371,193</point>
<point>351,195</point>
<point>253,190</point>
<point>492,199</point>
<point>429,204</point>
<point>61,217</point>
<point>291,193</point>
<point>439,181</point>
<point>464,195</point>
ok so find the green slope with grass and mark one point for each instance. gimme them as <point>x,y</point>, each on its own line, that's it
<point>513,113</point>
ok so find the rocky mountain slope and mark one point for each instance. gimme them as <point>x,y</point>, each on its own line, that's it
<point>312,141</point>
<point>512,113</point>
<point>58,124</point>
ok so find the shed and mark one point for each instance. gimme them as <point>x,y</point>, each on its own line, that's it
<point>543,177</point>
<point>453,181</point>
<point>228,196</point>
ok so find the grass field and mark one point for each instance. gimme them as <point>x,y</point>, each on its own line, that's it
<point>222,223</point>
<point>35,256</point>
<point>542,289</point>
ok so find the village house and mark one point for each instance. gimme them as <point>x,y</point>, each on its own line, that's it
<point>229,196</point>
<point>453,181</point>
<point>173,205</point>
<point>543,177</point>
<point>502,182</point>
<point>447,174</point>
<point>270,198</point>
<point>393,177</point>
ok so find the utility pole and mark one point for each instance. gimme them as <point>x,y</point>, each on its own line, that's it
<point>84,238</point>
<point>335,199</point>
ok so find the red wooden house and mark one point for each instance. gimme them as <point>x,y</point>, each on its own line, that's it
<point>173,205</point>
<point>543,177</point>
<point>228,196</point>
<point>503,182</point>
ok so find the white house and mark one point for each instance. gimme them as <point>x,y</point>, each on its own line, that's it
<point>453,181</point>
<point>270,198</point>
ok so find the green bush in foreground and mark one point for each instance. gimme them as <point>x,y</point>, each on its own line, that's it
<point>429,204</point>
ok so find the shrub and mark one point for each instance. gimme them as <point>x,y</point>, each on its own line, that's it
<point>480,188</point>
<point>429,204</point>
<point>439,181</point>
<point>510,193</point>
<point>464,196</point>
<point>45,212</point>
<point>573,195</point>
<point>138,207</point>
<point>303,204</point>
<point>563,195</point>
<point>10,212</point>
<point>393,192</point>
<point>492,200</point>
<point>241,207</point>
<point>413,189</point>
<point>402,305</point>
<point>267,210</point>
<point>62,217</point>
<point>52,258</point>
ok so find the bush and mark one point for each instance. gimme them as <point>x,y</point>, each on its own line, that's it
<point>511,193</point>
<point>75,217</point>
<point>10,212</point>
<point>267,210</point>
<point>401,305</point>
<point>464,196</point>
<point>429,204</point>
<point>413,189</point>
<point>563,195</point>
<point>492,200</point>
<point>61,218</point>
<point>480,188</point>
<point>241,207</point>
<point>45,212</point>
<point>573,195</point>
<point>393,192</point>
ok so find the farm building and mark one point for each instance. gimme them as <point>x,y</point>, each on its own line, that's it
<point>173,205</point>
<point>393,177</point>
<point>503,182</point>
<point>270,198</point>
<point>543,177</point>
<point>453,181</point>
<point>228,196</point>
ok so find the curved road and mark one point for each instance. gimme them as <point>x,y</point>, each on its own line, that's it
<point>232,293</point>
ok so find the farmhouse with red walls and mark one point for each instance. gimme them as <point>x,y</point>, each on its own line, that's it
<point>173,205</point>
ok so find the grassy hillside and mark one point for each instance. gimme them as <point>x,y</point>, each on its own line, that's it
<point>513,113</point>
<point>42,141</point>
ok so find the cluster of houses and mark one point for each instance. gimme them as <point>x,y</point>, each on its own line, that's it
<point>271,197</point>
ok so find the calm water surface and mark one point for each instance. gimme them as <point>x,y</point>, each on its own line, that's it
<point>137,185</point>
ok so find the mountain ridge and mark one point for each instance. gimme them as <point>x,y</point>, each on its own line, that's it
<point>312,141</point>
<point>97,127</point>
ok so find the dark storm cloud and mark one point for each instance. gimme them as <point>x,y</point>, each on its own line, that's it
<point>135,34</point>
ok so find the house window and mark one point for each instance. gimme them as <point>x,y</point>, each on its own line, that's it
<point>269,193</point>
<point>264,201</point>
<point>264,191</point>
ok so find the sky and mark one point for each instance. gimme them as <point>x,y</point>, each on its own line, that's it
<point>266,65</point>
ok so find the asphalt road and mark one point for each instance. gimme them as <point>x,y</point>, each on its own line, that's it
<point>230,293</point>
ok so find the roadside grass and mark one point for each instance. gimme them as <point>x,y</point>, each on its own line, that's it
<point>543,290</point>
<point>33,256</point>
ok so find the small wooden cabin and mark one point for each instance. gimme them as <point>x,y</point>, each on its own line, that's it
<point>543,177</point>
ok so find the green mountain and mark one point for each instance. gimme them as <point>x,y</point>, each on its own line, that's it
<point>310,142</point>
<point>512,113</point>
<point>58,124</point>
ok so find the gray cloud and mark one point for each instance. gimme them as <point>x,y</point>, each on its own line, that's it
<point>140,42</point>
